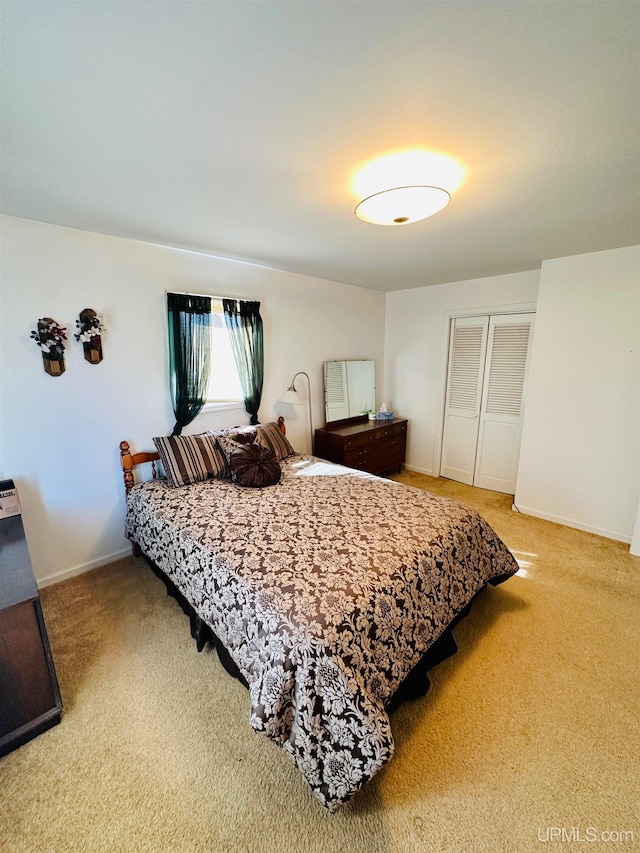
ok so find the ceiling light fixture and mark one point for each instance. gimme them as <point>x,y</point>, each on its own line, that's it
<point>402,205</point>
<point>401,187</point>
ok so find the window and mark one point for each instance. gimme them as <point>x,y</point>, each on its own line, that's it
<point>224,383</point>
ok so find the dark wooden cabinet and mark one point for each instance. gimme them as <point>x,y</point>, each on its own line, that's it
<point>30,699</point>
<point>374,446</point>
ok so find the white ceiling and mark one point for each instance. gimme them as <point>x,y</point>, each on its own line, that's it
<point>235,127</point>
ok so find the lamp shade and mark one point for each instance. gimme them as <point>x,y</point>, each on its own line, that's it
<point>291,396</point>
<point>402,205</point>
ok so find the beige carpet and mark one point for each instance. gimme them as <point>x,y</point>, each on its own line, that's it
<point>528,734</point>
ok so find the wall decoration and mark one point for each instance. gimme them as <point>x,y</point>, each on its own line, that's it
<point>50,337</point>
<point>90,328</point>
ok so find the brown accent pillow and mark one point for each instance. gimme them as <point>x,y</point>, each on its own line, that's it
<point>269,435</point>
<point>190,458</point>
<point>255,466</point>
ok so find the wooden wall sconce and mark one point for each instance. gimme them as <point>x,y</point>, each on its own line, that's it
<point>90,327</point>
<point>50,337</point>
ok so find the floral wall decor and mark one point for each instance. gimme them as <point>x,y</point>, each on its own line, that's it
<point>50,337</point>
<point>90,328</point>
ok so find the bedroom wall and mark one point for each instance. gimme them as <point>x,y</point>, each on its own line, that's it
<point>59,436</point>
<point>416,346</point>
<point>580,457</point>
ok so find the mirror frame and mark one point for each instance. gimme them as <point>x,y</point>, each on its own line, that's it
<point>340,379</point>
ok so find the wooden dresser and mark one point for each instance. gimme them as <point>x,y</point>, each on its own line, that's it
<point>29,695</point>
<point>374,446</point>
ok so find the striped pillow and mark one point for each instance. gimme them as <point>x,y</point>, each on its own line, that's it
<point>269,435</point>
<point>190,458</point>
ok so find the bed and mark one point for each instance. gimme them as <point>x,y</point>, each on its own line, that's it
<point>329,594</point>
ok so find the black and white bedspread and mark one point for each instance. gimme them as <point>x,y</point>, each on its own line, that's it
<point>326,589</point>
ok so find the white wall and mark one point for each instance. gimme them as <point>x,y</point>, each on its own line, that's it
<point>580,457</point>
<point>416,345</point>
<point>635,538</point>
<point>59,436</point>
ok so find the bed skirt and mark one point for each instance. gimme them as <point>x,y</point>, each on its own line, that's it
<point>415,684</point>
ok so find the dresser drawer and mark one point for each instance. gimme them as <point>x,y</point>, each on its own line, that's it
<point>362,440</point>
<point>391,430</point>
<point>393,446</point>
<point>358,458</point>
<point>384,456</point>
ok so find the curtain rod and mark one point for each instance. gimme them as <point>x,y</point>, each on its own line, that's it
<point>208,295</point>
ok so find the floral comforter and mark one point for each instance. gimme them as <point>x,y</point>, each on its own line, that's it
<point>326,589</point>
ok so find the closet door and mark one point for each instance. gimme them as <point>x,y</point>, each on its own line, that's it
<point>335,391</point>
<point>467,351</point>
<point>501,412</point>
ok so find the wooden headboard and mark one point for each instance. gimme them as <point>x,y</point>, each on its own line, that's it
<point>129,460</point>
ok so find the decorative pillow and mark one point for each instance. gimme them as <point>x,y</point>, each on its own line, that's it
<point>255,466</point>
<point>227,446</point>
<point>269,435</point>
<point>190,458</point>
<point>241,434</point>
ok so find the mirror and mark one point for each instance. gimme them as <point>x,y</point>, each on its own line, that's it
<point>349,389</point>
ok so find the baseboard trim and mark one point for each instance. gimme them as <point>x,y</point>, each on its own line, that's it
<point>420,470</point>
<point>569,522</point>
<point>81,568</point>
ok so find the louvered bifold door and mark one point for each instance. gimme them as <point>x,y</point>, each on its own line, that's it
<point>467,350</point>
<point>335,391</point>
<point>501,413</point>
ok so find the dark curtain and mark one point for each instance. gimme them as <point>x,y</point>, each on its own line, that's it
<point>244,323</point>
<point>189,320</point>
